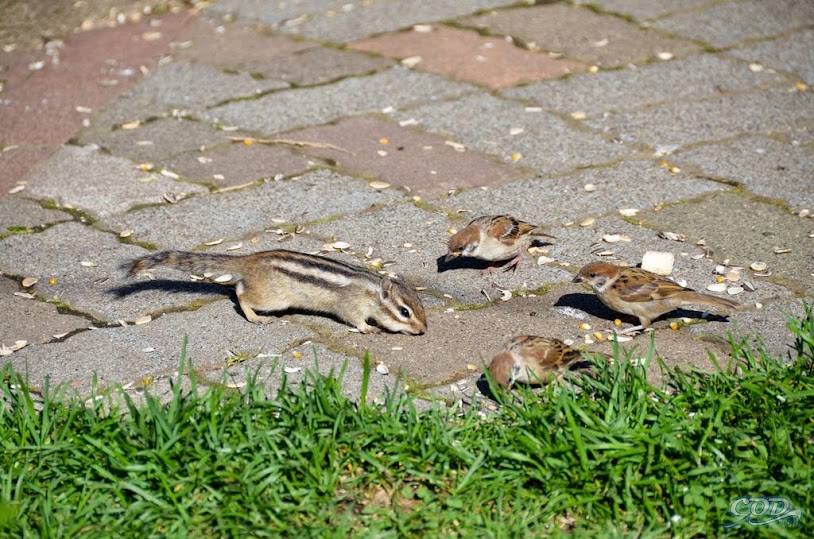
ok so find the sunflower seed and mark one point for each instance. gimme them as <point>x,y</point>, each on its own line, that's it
<point>292,370</point>
<point>142,320</point>
<point>587,222</point>
<point>88,264</point>
<point>758,266</point>
<point>717,287</point>
<point>225,278</point>
<point>28,282</point>
<point>732,290</point>
<point>381,368</point>
<point>590,187</point>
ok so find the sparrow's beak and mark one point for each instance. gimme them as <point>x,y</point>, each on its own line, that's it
<point>577,279</point>
<point>451,256</point>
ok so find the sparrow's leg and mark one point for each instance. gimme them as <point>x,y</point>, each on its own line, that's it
<point>512,265</point>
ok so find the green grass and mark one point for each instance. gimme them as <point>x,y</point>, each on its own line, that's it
<point>608,456</point>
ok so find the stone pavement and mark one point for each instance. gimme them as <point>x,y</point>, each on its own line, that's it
<point>245,125</point>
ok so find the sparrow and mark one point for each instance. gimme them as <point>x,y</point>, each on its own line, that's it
<point>494,238</point>
<point>532,360</point>
<point>641,293</point>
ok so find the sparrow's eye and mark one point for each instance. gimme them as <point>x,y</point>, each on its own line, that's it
<point>405,312</point>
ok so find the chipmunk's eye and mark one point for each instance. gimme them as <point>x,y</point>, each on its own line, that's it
<point>405,312</point>
<point>592,275</point>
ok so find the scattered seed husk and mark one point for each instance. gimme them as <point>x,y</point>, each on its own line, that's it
<point>604,252</point>
<point>214,242</point>
<point>235,247</point>
<point>506,295</point>
<point>339,245</point>
<point>148,350</point>
<point>628,212</point>
<point>422,28</point>
<point>88,264</point>
<point>16,189</point>
<point>612,238</point>
<point>698,256</point>
<point>717,287</point>
<point>142,320</point>
<point>749,286</point>
<point>758,266</point>
<point>379,185</point>
<point>620,338</point>
<point>292,370</point>
<point>381,368</point>
<point>579,115</point>
<point>131,125</point>
<point>762,273</point>
<point>126,233</point>
<point>225,278</point>
<point>733,275</point>
<point>412,61</point>
<point>659,262</point>
<point>24,295</point>
<point>516,130</point>
<point>732,290</point>
<point>664,55</point>
<point>587,222</point>
<point>169,174</point>
<point>782,250</point>
<point>28,282</point>
<point>590,187</point>
<point>672,236</point>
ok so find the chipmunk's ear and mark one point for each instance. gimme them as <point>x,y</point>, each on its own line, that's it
<point>387,286</point>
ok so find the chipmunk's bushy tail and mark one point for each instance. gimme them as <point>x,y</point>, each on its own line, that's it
<point>185,261</point>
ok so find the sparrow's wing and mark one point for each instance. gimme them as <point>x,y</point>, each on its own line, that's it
<point>637,285</point>
<point>504,228</point>
<point>549,354</point>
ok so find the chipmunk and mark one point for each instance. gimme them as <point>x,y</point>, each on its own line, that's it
<point>279,280</point>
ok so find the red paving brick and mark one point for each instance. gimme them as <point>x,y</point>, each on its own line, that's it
<point>17,162</point>
<point>467,56</point>
<point>40,107</point>
<point>402,156</point>
<point>582,34</point>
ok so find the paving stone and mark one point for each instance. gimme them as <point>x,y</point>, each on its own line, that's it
<point>744,230</point>
<point>725,24</point>
<point>423,163</point>
<point>32,321</point>
<point>645,9</point>
<point>129,354</point>
<point>17,212</point>
<point>335,22</point>
<point>183,86</point>
<point>313,358</point>
<point>289,12</point>
<point>764,166</point>
<point>672,125</point>
<point>425,235</point>
<point>157,140</point>
<point>630,184</point>
<point>546,143</point>
<point>629,89</point>
<point>465,55</point>
<point>41,108</point>
<point>580,33</point>
<point>250,49</point>
<point>767,328</point>
<point>286,110</point>
<point>101,291</point>
<point>102,185</point>
<point>791,53</point>
<point>238,214</point>
<point>16,163</point>
<point>237,164</point>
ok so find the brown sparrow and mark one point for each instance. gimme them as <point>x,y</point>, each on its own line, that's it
<point>642,294</point>
<point>494,238</point>
<point>532,360</point>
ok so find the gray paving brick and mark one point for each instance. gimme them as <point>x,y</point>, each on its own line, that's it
<point>743,231</point>
<point>99,184</point>
<point>645,9</point>
<point>554,201</point>
<point>728,23</point>
<point>581,34</point>
<point>547,143</point>
<point>58,253</point>
<point>681,123</point>
<point>286,110</point>
<point>17,212</point>
<point>279,14</point>
<point>158,140</point>
<point>790,52</point>
<point>181,86</point>
<point>33,321</point>
<point>238,214</point>
<point>376,17</point>
<point>629,89</point>
<point>764,166</point>
<point>126,355</point>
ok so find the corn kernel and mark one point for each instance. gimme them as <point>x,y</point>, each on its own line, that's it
<point>384,141</point>
<point>617,322</point>
<point>800,86</point>
<point>674,326</point>
<point>248,141</point>
<point>517,156</point>
<point>296,354</point>
<point>583,326</point>
<point>52,281</point>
